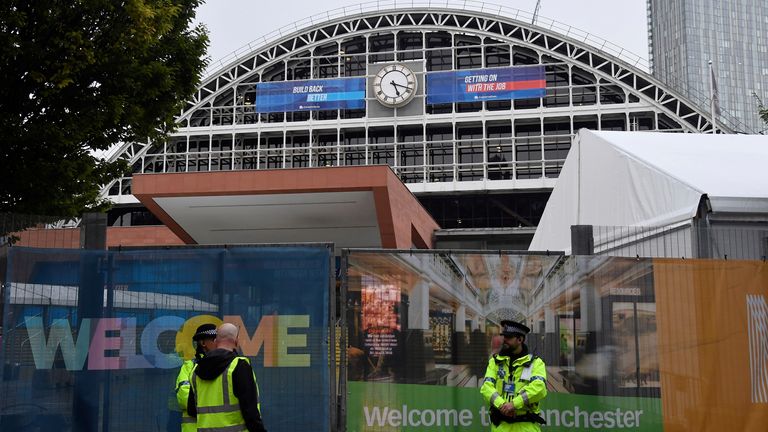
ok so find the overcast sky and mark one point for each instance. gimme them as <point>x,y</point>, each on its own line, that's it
<point>234,23</point>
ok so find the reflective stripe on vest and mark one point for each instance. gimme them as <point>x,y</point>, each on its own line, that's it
<point>526,375</point>
<point>218,409</point>
<point>235,428</point>
<point>188,424</point>
<point>527,372</point>
<point>524,395</point>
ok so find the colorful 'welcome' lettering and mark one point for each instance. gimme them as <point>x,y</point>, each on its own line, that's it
<point>119,336</point>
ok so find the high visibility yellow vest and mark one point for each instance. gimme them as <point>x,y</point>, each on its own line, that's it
<point>523,383</point>
<point>218,409</point>
<point>188,424</point>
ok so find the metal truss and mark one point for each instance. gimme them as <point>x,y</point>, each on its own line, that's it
<point>523,34</point>
<point>571,51</point>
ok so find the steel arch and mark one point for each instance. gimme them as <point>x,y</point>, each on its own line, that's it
<point>545,42</point>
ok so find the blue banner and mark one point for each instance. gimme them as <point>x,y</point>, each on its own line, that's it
<point>114,327</point>
<point>322,94</point>
<point>476,85</point>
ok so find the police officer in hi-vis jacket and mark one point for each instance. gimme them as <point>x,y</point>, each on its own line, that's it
<point>515,383</point>
<point>225,395</point>
<point>203,340</point>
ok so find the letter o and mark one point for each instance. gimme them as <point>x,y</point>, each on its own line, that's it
<point>149,346</point>
<point>184,337</point>
<point>424,420</point>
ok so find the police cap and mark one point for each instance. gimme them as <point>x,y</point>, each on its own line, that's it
<point>513,328</point>
<point>205,331</point>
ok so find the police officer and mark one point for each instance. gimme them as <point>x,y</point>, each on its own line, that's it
<point>203,340</point>
<point>225,395</point>
<point>515,382</point>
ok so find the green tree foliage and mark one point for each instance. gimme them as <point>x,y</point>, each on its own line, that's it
<point>77,77</point>
<point>762,110</point>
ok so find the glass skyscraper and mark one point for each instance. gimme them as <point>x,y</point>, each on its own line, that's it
<point>684,35</point>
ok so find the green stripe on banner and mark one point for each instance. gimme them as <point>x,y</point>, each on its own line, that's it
<point>410,407</point>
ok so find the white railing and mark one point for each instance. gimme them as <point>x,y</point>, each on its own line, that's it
<point>566,30</point>
<point>569,31</point>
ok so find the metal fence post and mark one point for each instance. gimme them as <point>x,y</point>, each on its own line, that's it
<point>343,328</point>
<point>701,229</point>
<point>582,240</point>
<point>3,324</point>
<point>90,303</point>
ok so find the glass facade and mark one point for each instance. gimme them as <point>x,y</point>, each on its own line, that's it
<point>684,35</point>
<point>469,148</point>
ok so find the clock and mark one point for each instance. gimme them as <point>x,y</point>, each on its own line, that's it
<point>394,85</point>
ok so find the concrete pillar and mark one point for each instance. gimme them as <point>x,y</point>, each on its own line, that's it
<point>550,326</point>
<point>461,349</point>
<point>461,318</point>
<point>478,346</point>
<point>590,308</point>
<point>418,309</point>
<point>419,353</point>
<point>589,330</point>
<point>551,342</point>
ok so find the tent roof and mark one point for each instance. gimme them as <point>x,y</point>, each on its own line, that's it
<point>717,165</point>
<point>652,179</point>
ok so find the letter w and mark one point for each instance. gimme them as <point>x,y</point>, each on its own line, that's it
<point>375,416</point>
<point>60,334</point>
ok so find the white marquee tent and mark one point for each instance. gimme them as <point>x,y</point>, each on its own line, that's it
<point>643,179</point>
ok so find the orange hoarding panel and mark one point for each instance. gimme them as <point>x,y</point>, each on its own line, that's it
<point>713,344</point>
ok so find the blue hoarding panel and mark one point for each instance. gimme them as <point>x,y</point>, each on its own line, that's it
<point>113,327</point>
<point>323,94</point>
<point>476,85</point>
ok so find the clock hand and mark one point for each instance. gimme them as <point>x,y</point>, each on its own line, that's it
<point>397,92</point>
<point>400,85</point>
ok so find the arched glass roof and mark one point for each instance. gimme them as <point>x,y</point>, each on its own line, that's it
<point>493,145</point>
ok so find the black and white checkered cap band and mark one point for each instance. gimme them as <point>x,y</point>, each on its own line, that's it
<point>206,333</point>
<point>511,328</point>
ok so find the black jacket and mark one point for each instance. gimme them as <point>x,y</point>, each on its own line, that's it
<point>214,364</point>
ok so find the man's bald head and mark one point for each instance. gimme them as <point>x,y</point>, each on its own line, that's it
<point>226,336</point>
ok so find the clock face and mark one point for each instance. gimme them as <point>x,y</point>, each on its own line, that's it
<point>394,85</point>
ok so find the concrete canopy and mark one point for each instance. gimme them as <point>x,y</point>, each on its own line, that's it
<point>349,206</point>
